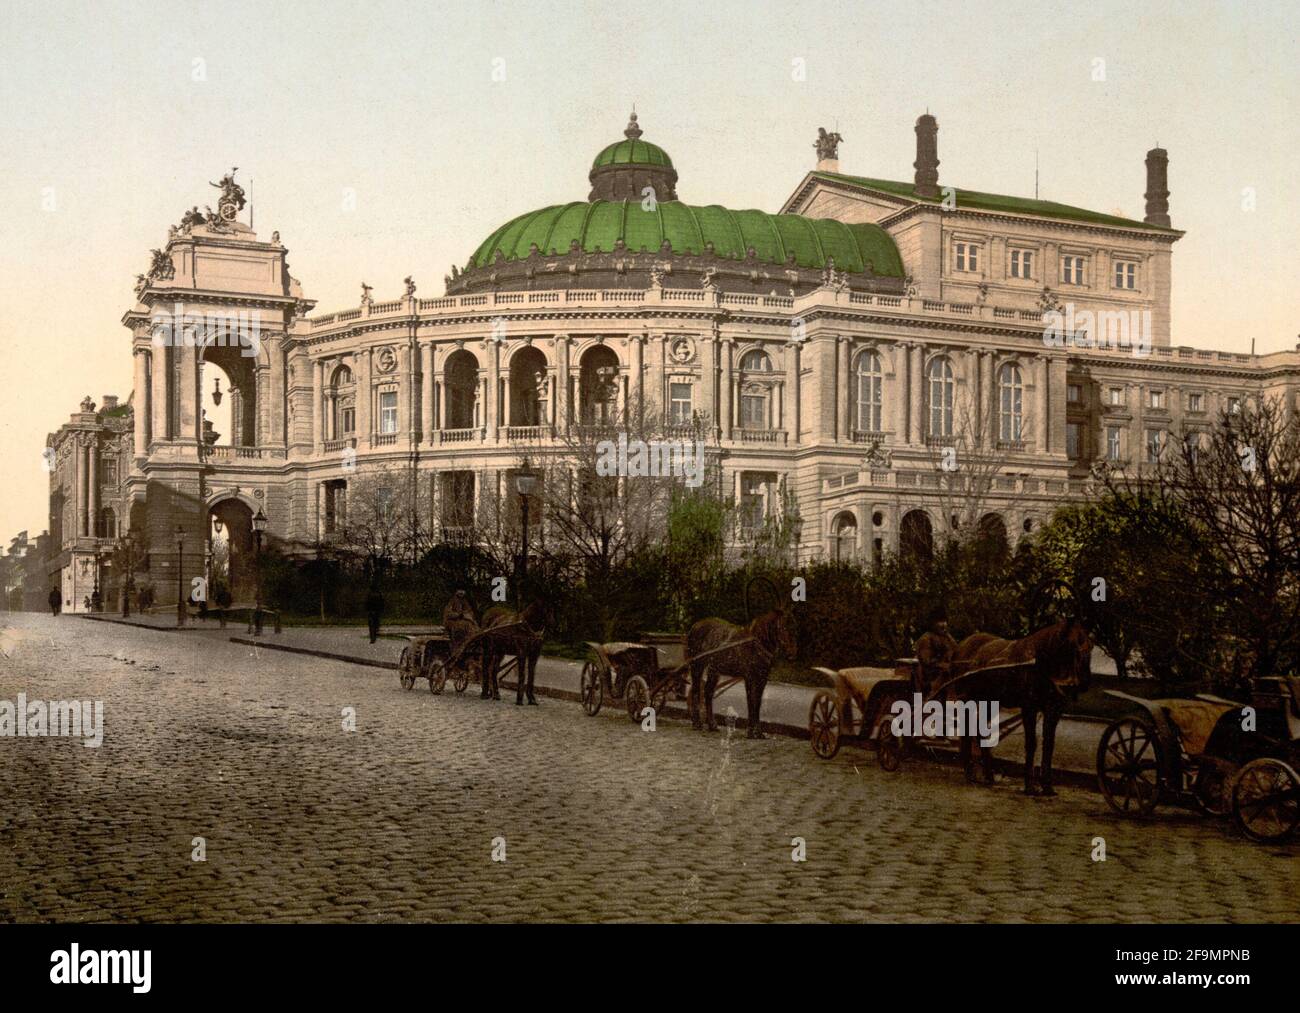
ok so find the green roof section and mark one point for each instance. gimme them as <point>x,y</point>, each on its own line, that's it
<point>632,152</point>
<point>996,202</point>
<point>599,225</point>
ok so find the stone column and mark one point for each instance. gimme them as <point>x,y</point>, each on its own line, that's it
<point>990,395</point>
<point>276,385</point>
<point>709,380</point>
<point>727,410</point>
<point>188,424</point>
<point>428,415</point>
<point>317,409</point>
<point>493,406</point>
<point>842,392</point>
<point>364,422</point>
<point>792,372</point>
<point>142,399</point>
<point>92,490</point>
<point>897,395</point>
<point>1041,422</point>
<point>404,374</point>
<point>562,411</point>
<point>320,512</point>
<point>83,486</point>
<point>262,416</point>
<point>160,392</point>
<point>916,357</point>
<point>637,406</point>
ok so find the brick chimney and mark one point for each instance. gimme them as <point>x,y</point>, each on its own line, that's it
<point>1157,194</point>
<point>109,402</point>
<point>927,156</point>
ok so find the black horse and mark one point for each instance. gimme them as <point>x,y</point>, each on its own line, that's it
<point>520,634</point>
<point>1043,670</point>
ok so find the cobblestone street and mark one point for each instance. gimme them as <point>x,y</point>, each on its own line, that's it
<point>395,821</point>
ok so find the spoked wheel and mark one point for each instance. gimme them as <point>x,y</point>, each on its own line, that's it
<point>659,698</point>
<point>437,676</point>
<point>462,676</point>
<point>1212,789</point>
<point>404,669</point>
<point>592,697</point>
<point>824,725</point>
<point>637,697</point>
<point>889,747</point>
<point>1129,761</point>
<point>1266,800</point>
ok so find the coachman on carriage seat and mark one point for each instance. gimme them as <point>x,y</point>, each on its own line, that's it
<point>934,650</point>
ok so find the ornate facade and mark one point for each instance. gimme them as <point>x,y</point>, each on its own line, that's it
<point>845,353</point>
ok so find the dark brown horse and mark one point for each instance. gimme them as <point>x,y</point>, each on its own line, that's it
<point>506,631</point>
<point>758,644</point>
<point>1044,669</point>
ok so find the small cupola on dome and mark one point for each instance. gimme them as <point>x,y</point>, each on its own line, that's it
<point>624,169</point>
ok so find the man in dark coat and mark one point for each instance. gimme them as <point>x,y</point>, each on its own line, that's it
<point>460,620</point>
<point>374,611</point>
<point>55,599</point>
<point>934,650</point>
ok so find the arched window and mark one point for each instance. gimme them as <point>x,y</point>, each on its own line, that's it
<point>941,394</point>
<point>870,392</point>
<point>1011,394</point>
<point>755,362</point>
<point>845,529</point>
<point>342,405</point>
<point>916,536</point>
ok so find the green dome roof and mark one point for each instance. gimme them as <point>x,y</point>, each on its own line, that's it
<point>631,152</point>
<point>598,225</point>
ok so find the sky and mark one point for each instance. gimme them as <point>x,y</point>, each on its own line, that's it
<point>389,139</point>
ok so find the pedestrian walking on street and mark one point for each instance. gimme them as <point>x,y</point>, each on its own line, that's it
<point>55,599</point>
<point>374,611</point>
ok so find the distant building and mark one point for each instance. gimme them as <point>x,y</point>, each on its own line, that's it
<point>840,352</point>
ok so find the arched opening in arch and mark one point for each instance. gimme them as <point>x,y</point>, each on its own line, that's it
<point>992,538</point>
<point>529,389</point>
<point>844,533</point>
<point>232,565</point>
<point>461,384</point>
<point>598,386</point>
<point>916,536</point>
<point>341,411</point>
<point>227,393</point>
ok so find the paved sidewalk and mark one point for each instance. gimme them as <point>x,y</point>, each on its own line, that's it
<point>785,706</point>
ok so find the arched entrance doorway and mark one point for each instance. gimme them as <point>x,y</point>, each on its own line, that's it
<point>916,535</point>
<point>232,565</point>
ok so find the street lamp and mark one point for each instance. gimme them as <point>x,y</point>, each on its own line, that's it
<point>128,549</point>
<point>259,527</point>
<point>180,575</point>
<point>525,485</point>
<point>95,600</point>
<point>796,531</point>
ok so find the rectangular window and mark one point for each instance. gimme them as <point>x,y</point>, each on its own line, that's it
<point>1196,402</point>
<point>1155,444</point>
<point>388,411</point>
<point>349,420</point>
<point>1157,399</point>
<point>1234,405</point>
<point>456,500</point>
<point>1072,431</point>
<point>1073,393</point>
<point>1112,443</point>
<point>336,509</point>
<point>108,471</point>
<point>1022,264</point>
<point>753,501</point>
<point>384,504</point>
<point>1117,396</point>
<point>1072,270</point>
<point>753,411</point>
<point>680,403</point>
<point>967,257</point>
<point>1125,274</point>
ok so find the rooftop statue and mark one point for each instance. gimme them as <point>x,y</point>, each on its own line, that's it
<point>232,196</point>
<point>827,145</point>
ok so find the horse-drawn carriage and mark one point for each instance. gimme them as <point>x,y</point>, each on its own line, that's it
<point>431,657</point>
<point>860,709</point>
<point>1210,752</point>
<point>630,673</point>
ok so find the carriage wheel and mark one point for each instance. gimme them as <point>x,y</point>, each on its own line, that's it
<point>403,669</point>
<point>637,697</point>
<point>659,698</point>
<point>462,677</point>
<point>592,697</point>
<point>889,747</point>
<point>1266,800</point>
<point>1212,789</point>
<point>437,676</point>
<point>1129,764</point>
<point>824,725</point>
